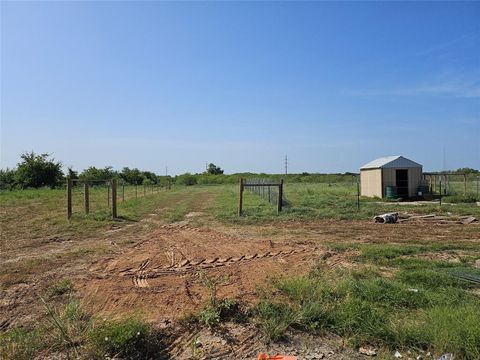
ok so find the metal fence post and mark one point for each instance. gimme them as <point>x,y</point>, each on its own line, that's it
<point>69,198</point>
<point>478,178</point>
<point>358,194</point>
<point>280,196</point>
<point>240,200</point>
<point>114,199</point>
<point>86,195</point>
<point>440,184</point>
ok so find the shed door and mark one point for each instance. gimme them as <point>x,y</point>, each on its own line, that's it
<point>402,183</point>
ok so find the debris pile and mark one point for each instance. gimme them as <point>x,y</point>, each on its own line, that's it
<point>393,217</point>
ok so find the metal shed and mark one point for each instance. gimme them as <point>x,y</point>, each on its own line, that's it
<point>404,175</point>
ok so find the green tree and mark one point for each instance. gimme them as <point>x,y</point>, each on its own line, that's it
<point>71,174</point>
<point>214,170</point>
<point>150,176</point>
<point>132,176</point>
<point>186,179</point>
<point>7,179</point>
<point>37,171</point>
<point>466,171</point>
<point>92,173</point>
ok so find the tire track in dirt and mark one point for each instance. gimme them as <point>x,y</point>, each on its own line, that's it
<point>139,277</point>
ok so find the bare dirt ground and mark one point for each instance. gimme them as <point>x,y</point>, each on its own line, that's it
<point>152,268</point>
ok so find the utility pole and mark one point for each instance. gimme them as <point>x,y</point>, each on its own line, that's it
<point>286,165</point>
<point>166,171</point>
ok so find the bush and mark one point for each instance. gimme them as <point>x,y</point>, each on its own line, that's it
<point>186,179</point>
<point>38,170</point>
<point>7,179</point>
<point>92,173</point>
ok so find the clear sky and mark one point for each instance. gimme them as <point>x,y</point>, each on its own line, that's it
<point>150,84</point>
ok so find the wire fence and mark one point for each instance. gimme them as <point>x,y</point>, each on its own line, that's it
<point>266,189</point>
<point>452,184</point>
<point>96,196</point>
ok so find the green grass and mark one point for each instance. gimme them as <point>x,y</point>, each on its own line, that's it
<point>418,306</point>
<point>428,312</point>
<point>61,287</point>
<point>319,201</point>
<point>70,331</point>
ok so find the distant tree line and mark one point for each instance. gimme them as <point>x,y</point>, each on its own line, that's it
<point>42,170</point>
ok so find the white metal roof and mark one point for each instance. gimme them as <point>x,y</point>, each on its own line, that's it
<point>391,162</point>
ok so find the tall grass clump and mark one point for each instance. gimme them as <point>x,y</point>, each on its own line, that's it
<point>426,311</point>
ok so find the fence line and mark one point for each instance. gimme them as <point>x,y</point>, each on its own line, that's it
<point>92,191</point>
<point>267,189</point>
<point>440,183</point>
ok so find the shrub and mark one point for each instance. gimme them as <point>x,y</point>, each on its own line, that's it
<point>186,179</point>
<point>38,170</point>
<point>7,179</point>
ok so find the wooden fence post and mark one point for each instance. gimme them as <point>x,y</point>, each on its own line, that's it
<point>280,196</point>
<point>69,198</point>
<point>123,191</point>
<point>240,200</point>
<point>86,197</point>
<point>136,192</point>
<point>114,199</point>
<point>108,195</point>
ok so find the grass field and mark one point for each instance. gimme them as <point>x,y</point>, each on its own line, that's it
<point>387,286</point>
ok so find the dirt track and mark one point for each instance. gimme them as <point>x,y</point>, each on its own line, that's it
<point>159,274</point>
<point>153,268</point>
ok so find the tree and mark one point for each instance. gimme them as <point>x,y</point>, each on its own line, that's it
<point>186,179</point>
<point>7,179</point>
<point>72,174</point>
<point>92,173</point>
<point>214,170</point>
<point>150,176</point>
<point>466,171</point>
<point>37,171</point>
<point>132,176</point>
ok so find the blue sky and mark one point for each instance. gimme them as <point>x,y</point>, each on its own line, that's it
<point>151,84</point>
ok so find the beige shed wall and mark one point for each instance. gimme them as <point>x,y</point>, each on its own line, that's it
<point>371,182</point>
<point>414,179</point>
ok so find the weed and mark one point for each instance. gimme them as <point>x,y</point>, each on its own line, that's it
<point>20,344</point>
<point>274,319</point>
<point>127,338</point>
<point>61,287</point>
